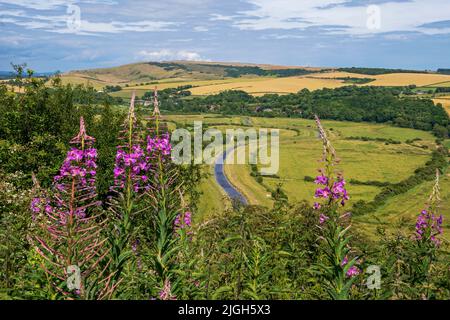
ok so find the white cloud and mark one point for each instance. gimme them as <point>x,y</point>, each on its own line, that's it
<point>61,24</point>
<point>337,17</point>
<point>168,54</point>
<point>201,29</point>
<point>282,36</point>
<point>52,4</point>
<point>220,17</point>
<point>180,40</point>
<point>68,20</point>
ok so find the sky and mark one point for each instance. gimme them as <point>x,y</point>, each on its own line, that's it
<point>65,35</point>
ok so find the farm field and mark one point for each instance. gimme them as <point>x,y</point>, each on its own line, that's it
<point>300,151</point>
<point>405,79</point>
<point>142,78</point>
<point>171,83</point>
<point>264,85</point>
<point>77,79</point>
<point>320,81</point>
<point>445,101</point>
<point>271,85</point>
<point>445,84</point>
<point>394,214</point>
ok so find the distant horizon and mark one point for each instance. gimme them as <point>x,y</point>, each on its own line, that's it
<point>10,70</point>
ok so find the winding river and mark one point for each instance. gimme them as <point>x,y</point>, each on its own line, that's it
<point>223,182</point>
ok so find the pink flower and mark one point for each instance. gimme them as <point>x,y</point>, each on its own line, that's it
<point>321,180</point>
<point>352,272</point>
<point>74,155</point>
<point>35,205</point>
<point>165,293</point>
<point>345,261</point>
<point>323,193</point>
<point>428,226</point>
<point>183,221</point>
<point>91,153</point>
<point>118,172</point>
<point>323,218</point>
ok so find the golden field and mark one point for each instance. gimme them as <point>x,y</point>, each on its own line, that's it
<point>445,101</point>
<point>270,85</point>
<point>320,81</point>
<point>405,79</point>
<point>391,79</point>
<point>264,85</point>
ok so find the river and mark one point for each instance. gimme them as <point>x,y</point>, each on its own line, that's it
<point>223,182</point>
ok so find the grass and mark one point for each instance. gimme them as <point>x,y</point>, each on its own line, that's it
<point>447,143</point>
<point>440,84</point>
<point>360,160</point>
<point>77,79</point>
<point>300,150</point>
<point>213,198</point>
<point>401,211</point>
<point>239,176</point>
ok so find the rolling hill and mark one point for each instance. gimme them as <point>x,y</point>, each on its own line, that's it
<point>147,72</point>
<point>257,79</point>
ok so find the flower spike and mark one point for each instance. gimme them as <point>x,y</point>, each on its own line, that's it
<point>82,136</point>
<point>156,111</point>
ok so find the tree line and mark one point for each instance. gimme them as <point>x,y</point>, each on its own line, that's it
<point>373,104</point>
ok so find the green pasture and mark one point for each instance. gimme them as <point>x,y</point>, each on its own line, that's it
<point>301,150</point>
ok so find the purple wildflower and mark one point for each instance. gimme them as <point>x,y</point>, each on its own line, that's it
<point>428,226</point>
<point>334,187</point>
<point>132,165</point>
<point>159,144</point>
<point>165,293</point>
<point>91,153</point>
<point>352,271</point>
<point>48,208</point>
<point>323,218</point>
<point>35,205</point>
<point>183,220</point>
<point>321,180</point>
<point>323,193</point>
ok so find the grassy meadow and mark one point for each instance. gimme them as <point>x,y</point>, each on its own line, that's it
<point>300,152</point>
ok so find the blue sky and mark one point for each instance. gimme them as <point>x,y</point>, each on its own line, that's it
<point>77,34</point>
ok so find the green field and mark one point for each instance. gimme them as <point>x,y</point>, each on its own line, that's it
<point>402,210</point>
<point>213,199</point>
<point>300,150</point>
